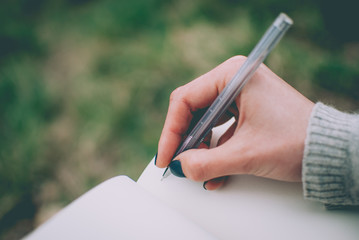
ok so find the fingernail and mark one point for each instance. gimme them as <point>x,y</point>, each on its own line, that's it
<point>176,168</point>
<point>204,185</point>
<point>155,159</point>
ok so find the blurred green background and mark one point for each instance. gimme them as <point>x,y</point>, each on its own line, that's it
<point>84,84</point>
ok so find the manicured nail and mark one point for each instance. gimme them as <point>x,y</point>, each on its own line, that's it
<point>204,185</point>
<point>176,168</point>
<point>155,159</point>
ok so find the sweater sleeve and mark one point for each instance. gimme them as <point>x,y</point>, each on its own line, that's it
<point>330,171</point>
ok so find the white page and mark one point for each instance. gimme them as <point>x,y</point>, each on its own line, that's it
<point>118,209</point>
<point>249,207</point>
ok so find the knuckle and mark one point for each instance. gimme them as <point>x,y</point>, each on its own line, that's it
<point>232,65</point>
<point>177,94</point>
<point>196,170</point>
<point>238,60</point>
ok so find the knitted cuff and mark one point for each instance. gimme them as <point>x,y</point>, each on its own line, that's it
<point>329,173</point>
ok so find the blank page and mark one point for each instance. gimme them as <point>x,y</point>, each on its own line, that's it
<point>118,209</point>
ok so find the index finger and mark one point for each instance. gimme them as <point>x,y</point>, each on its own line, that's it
<point>185,100</point>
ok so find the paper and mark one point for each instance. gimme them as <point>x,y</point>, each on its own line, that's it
<point>118,209</point>
<point>249,207</point>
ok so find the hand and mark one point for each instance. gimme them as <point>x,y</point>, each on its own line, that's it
<point>267,138</point>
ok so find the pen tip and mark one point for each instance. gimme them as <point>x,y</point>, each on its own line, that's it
<point>165,174</point>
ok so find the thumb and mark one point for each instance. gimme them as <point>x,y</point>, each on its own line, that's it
<point>201,164</point>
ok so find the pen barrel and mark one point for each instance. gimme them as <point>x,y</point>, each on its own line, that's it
<point>269,40</point>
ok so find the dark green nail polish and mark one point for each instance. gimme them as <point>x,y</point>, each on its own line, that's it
<point>204,185</point>
<point>176,168</point>
<point>155,159</point>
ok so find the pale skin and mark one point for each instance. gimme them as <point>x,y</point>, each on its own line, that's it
<point>267,138</point>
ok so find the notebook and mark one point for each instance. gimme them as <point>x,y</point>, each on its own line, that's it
<point>246,207</point>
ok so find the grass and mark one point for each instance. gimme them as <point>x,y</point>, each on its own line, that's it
<point>84,85</point>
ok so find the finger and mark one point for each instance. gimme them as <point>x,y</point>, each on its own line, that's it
<point>205,164</point>
<point>185,100</point>
<point>215,183</point>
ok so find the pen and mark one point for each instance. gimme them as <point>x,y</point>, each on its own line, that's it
<point>270,38</point>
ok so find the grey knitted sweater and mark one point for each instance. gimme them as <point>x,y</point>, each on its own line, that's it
<point>331,157</point>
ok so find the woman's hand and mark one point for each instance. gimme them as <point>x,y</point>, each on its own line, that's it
<point>267,138</point>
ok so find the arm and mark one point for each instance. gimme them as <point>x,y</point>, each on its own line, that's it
<point>331,157</point>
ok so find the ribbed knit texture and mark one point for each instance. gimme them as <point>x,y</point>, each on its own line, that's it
<point>331,157</point>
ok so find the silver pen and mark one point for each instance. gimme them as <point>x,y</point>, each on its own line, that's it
<point>271,37</point>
